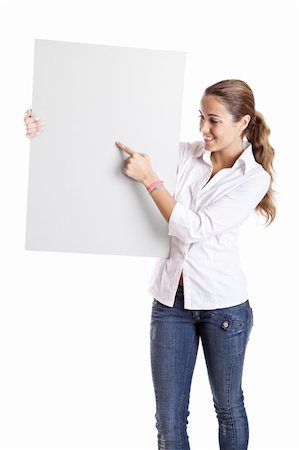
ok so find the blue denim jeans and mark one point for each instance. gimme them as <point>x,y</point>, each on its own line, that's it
<point>174,339</point>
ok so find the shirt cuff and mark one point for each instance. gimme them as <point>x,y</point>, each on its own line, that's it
<point>180,221</point>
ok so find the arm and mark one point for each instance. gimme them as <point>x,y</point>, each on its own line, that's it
<point>163,199</point>
<point>228,212</point>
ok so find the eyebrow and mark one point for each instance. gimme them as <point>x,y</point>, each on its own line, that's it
<point>210,114</point>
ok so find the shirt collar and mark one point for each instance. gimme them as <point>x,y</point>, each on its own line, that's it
<point>246,159</point>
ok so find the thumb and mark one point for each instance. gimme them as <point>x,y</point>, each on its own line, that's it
<point>28,113</point>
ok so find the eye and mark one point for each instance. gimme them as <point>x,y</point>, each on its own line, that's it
<point>212,120</point>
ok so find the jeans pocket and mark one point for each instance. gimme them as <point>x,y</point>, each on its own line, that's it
<point>231,325</point>
<point>235,320</point>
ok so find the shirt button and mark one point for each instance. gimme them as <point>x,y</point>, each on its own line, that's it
<point>225,324</point>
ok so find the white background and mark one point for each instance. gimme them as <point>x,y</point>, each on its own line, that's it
<point>77,375</point>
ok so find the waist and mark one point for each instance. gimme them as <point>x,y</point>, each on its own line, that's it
<point>181,282</point>
<point>180,289</point>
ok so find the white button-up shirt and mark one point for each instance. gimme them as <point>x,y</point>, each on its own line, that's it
<point>204,227</point>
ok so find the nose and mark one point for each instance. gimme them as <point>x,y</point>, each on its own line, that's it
<point>204,127</point>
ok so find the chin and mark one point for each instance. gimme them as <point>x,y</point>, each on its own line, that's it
<point>209,145</point>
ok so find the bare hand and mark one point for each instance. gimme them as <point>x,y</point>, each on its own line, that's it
<point>138,166</point>
<point>33,125</point>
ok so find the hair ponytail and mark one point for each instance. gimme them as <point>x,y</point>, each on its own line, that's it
<point>258,134</point>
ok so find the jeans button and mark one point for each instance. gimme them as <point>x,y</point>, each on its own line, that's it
<point>225,325</point>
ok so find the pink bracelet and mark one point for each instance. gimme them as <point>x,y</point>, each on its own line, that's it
<point>156,188</point>
<point>153,185</point>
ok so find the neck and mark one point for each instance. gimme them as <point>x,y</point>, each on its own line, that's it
<point>226,157</point>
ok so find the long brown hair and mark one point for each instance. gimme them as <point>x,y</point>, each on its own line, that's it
<point>238,99</point>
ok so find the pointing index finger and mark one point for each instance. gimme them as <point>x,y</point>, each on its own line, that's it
<point>125,148</point>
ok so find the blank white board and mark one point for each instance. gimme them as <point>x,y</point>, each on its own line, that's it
<point>89,96</point>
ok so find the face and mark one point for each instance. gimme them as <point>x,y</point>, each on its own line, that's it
<point>217,123</point>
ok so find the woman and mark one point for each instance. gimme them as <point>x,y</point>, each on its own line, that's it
<point>200,291</point>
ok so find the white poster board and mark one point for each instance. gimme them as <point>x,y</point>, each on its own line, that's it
<point>89,96</point>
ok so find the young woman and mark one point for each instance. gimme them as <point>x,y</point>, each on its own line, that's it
<point>200,291</point>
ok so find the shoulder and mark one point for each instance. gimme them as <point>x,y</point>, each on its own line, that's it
<point>262,174</point>
<point>195,148</point>
<point>256,183</point>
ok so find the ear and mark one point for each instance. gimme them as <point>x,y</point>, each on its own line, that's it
<point>245,121</point>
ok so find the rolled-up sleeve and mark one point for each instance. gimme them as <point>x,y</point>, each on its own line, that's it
<point>227,212</point>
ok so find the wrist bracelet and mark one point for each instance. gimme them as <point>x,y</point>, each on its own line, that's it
<point>154,184</point>
<point>156,187</point>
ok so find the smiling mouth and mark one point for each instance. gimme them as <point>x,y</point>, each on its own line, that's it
<point>209,139</point>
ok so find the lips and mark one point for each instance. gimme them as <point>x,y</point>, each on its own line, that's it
<point>208,138</point>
